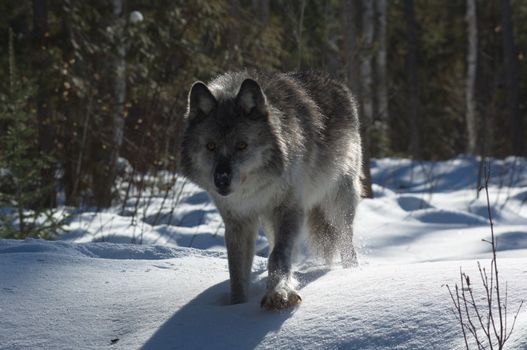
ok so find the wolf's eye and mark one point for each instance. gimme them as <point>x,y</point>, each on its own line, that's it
<point>241,146</point>
<point>211,146</point>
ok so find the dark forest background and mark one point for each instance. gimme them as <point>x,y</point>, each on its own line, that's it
<point>85,84</point>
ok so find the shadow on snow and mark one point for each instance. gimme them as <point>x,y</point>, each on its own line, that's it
<point>209,322</point>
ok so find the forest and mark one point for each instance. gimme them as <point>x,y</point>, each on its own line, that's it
<point>104,243</point>
<point>92,89</point>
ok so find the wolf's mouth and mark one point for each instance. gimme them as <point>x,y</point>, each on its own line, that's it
<point>223,191</point>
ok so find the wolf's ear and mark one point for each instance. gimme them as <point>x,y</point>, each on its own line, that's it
<point>200,99</point>
<point>251,98</point>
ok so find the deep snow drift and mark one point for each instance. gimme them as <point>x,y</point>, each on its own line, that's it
<point>170,291</point>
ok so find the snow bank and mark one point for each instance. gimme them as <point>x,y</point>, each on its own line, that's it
<point>153,273</point>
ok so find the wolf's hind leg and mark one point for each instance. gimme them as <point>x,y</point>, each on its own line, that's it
<point>339,211</point>
<point>322,234</point>
<point>348,198</point>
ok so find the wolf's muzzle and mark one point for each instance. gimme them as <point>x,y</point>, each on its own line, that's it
<point>222,178</point>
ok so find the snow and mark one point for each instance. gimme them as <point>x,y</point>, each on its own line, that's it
<point>153,274</point>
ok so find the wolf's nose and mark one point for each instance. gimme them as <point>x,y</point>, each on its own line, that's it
<point>222,180</point>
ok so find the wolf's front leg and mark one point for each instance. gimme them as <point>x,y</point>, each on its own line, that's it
<point>239,239</point>
<point>280,290</point>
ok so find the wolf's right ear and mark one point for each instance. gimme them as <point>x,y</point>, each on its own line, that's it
<point>251,98</point>
<point>200,99</point>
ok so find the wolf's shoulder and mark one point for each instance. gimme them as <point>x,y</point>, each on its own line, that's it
<point>320,82</point>
<point>227,84</point>
<point>311,77</point>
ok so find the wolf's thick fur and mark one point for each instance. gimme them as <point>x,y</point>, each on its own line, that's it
<point>276,151</point>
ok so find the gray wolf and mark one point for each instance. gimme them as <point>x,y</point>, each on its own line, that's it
<point>277,151</point>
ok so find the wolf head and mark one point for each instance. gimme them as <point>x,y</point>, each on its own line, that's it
<point>228,140</point>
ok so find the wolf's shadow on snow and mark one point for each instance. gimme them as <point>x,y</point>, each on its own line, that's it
<point>208,322</point>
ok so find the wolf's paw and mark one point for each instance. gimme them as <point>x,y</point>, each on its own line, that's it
<point>349,259</point>
<point>350,263</point>
<point>280,299</point>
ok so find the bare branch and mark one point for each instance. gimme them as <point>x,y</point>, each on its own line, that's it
<point>465,307</point>
<point>514,321</point>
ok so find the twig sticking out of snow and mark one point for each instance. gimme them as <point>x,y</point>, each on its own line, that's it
<point>490,318</point>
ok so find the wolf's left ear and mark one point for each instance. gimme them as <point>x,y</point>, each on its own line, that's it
<point>251,98</point>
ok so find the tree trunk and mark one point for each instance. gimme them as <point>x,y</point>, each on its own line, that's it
<point>349,25</point>
<point>299,31</point>
<point>72,109</point>
<point>366,96</point>
<point>511,78</point>
<point>232,41</point>
<point>412,91</point>
<point>261,10</point>
<point>366,64</point>
<point>354,78</point>
<point>106,171</point>
<point>44,113</point>
<point>472,64</point>
<point>488,82</point>
<point>331,55</point>
<point>119,83</point>
<point>69,140</point>
<point>233,32</point>
<point>382,82</point>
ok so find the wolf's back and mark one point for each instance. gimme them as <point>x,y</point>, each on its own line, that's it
<point>339,138</point>
<point>334,99</point>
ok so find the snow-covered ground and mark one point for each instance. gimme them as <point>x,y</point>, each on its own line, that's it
<point>153,274</point>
